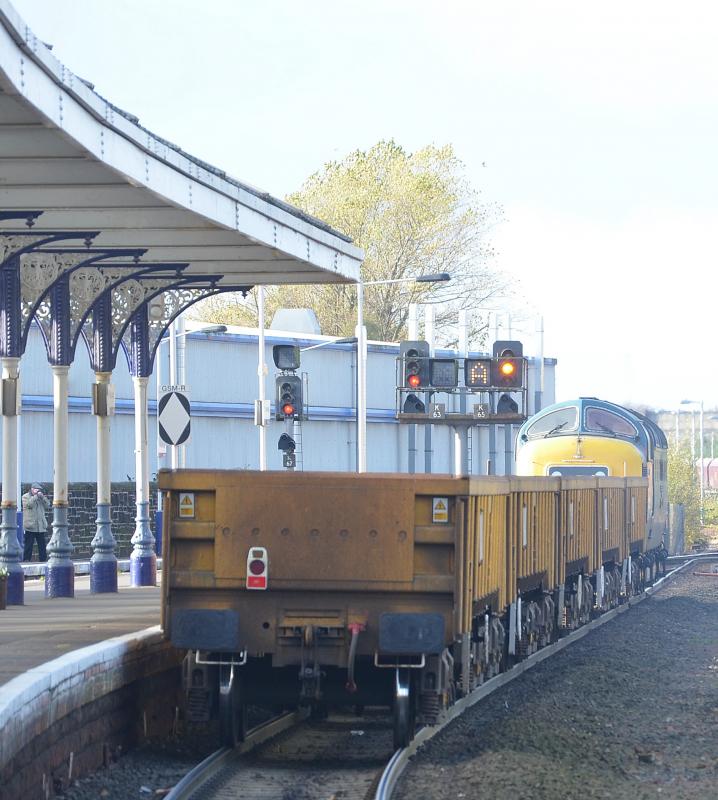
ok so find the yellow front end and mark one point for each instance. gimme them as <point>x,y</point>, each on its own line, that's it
<point>544,456</point>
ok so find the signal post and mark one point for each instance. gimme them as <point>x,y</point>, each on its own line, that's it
<point>289,399</point>
<point>493,381</point>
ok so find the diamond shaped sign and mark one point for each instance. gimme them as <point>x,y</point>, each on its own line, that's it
<point>174,417</point>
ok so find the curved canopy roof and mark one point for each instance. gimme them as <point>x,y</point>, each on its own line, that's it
<point>89,166</point>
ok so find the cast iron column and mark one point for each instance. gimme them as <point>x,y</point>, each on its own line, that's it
<point>10,552</point>
<point>143,561</point>
<point>103,564</point>
<point>60,574</point>
<point>10,327</point>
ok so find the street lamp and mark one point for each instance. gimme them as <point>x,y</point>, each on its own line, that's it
<point>699,403</point>
<point>345,340</point>
<point>440,277</point>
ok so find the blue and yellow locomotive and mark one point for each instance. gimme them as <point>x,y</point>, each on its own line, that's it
<point>591,437</point>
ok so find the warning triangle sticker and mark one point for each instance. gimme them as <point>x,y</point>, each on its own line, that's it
<point>440,506</point>
<point>186,501</point>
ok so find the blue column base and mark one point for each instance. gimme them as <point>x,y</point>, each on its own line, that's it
<point>143,560</point>
<point>103,574</point>
<point>60,572</point>
<point>16,588</point>
<point>11,556</point>
<point>158,532</point>
<point>60,579</point>
<point>143,570</point>
<point>103,564</point>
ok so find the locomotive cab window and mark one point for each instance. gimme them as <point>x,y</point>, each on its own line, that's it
<point>601,420</point>
<point>560,421</point>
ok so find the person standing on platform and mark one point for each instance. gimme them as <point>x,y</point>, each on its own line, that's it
<point>34,506</point>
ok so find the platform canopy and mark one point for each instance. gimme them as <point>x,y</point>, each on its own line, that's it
<point>90,166</point>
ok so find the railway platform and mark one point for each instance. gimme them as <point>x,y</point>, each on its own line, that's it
<point>45,628</point>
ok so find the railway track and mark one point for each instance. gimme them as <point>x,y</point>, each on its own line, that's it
<point>708,555</point>
<point>295,758</point>
<point>400,759</point>
<point>345,756</point>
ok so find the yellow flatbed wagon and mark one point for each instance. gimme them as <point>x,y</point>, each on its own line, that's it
<point>322,589</point>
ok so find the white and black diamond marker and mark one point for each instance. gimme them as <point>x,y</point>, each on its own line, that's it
<point>174,418</point>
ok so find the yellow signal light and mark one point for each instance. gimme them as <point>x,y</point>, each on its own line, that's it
<point>507,369</point>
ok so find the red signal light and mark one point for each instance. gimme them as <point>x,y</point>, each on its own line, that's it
<point>288,410</point>
<point>414,381</point>
<point>256,567</point>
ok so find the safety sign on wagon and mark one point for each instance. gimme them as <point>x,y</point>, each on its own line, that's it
<point>439,509</point>
<point>186,505</point>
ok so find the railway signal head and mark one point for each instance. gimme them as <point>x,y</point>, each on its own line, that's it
<point>289,397</point>
<point>413,405</point>
<point>507,405</point>
<point>477,373</point>
<point>286,443</point>
<point>508,347</point>
<point>443,373</point>
<point>507,368</point>
<point>286,356</point>
<point>414,357</point>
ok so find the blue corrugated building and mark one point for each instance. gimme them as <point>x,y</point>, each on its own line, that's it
<point>221,375</point>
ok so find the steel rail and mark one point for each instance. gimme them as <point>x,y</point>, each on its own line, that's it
<point>400,759</point>
<point>709,555</point>
<point>211,765</point>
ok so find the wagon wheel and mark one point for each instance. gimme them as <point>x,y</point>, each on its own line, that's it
<point>232,707</point>
<point>403,709</point>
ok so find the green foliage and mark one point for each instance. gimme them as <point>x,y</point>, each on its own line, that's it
<point>710,510</point>
<point>412,214</point>
<point>684,487</point>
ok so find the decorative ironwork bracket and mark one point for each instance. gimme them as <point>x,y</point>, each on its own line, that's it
<point>104,336</point>
<point>28,216</point>
<point>86,285</point>
<point>17,243</point>
<point>142,338</point>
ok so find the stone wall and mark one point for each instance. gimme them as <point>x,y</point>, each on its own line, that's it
<point>68,717</point>
<point>83,513</point>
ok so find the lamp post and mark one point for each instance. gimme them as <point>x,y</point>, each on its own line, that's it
<point>698,403</point>
<point>440,277</point>
<point>259,416</point>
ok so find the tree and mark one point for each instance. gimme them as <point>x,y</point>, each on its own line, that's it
<point>683,487</point>
<point>412,214</point>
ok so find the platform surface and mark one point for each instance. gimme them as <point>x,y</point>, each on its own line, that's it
<point>44,629</point>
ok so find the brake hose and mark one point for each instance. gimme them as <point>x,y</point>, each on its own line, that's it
<point>356,628</point>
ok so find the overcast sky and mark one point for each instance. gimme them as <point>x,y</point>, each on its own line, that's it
<point>595,126</point>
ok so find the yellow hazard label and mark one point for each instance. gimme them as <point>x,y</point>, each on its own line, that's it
<point>440,509</point>
<point>186,504</point>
